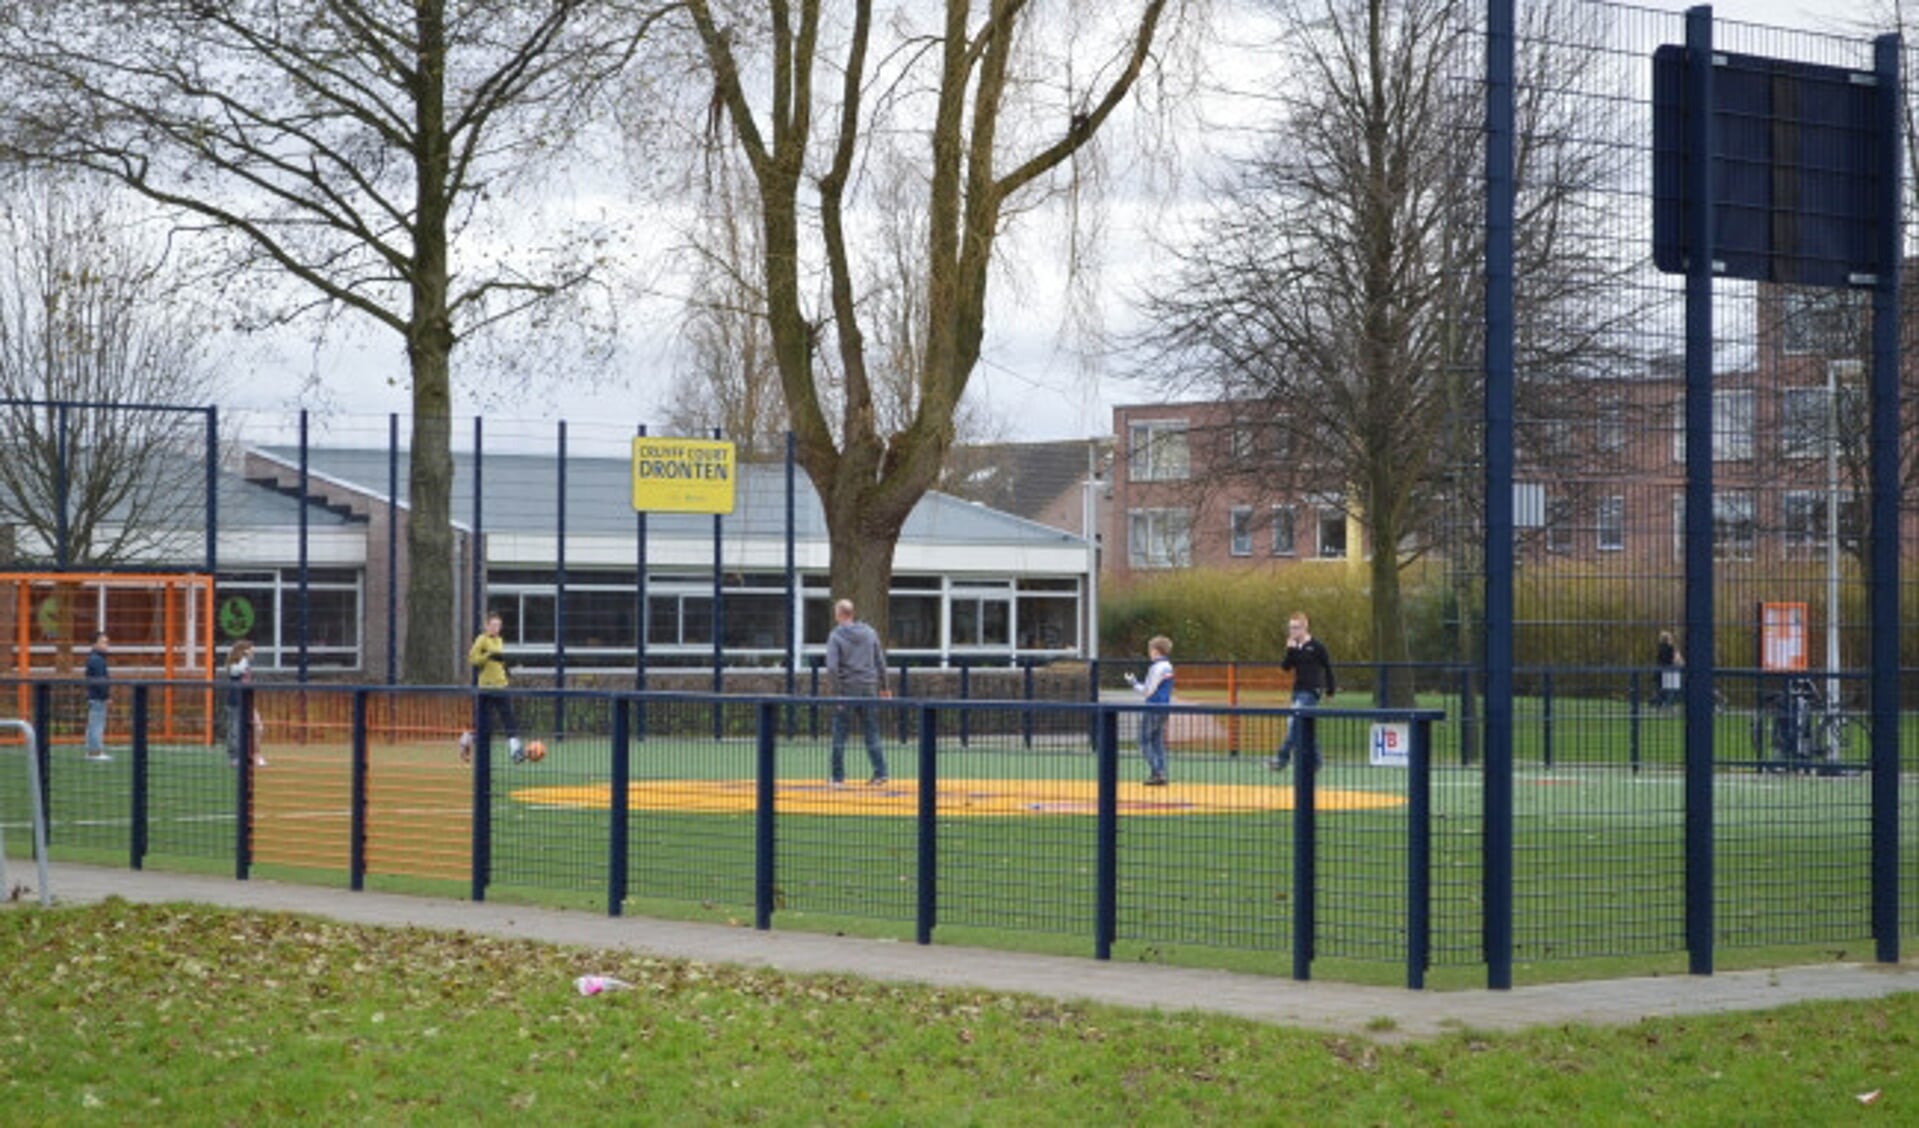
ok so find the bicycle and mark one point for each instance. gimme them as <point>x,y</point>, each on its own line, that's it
<point>1799,730</point>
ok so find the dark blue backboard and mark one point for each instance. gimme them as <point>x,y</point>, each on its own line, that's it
<point>1794,169</point>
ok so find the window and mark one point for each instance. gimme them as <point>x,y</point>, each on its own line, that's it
<point>1559,525</point>
<point>1825,322</point>
<point>1283,542</point>
<point>1733,530</point>
<point>265,607</point>
<point>1241,449</point>
<point>913,621</point>
<point>1732,426</point>
<point>981,621</point>
<point>1802,422</point>
<point>1242,530</point>
<point>1159,538</point>
<point>1612,524</point>
<point>1803,516</point>
<point>1156,451</point>
<point>1048,622</point>
<point>1612,427</point>
<point>1332,533</point>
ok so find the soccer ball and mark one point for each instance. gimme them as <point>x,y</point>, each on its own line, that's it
<point>535,752</point>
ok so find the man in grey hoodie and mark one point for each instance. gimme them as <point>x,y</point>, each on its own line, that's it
<point>856,662</point>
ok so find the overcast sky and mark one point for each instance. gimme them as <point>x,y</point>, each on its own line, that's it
<point>1033,379</point>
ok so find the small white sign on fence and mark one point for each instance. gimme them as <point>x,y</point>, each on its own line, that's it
<point>1391,743</point>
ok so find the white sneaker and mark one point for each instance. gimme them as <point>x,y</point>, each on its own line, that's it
<point>513,747</point>
<point>100,757</point>
<point>259,761</point>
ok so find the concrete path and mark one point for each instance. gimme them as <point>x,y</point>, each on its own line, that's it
<point>1384,1013</point>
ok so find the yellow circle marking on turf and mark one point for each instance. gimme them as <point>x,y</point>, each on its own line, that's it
<point>956,797</point>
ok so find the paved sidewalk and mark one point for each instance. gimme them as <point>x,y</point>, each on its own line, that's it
<point>1379,1012</point>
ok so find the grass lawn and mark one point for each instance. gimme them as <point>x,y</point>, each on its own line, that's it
<point>117,1013</point>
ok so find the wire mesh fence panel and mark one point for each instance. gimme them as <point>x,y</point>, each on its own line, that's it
<point>297,745</point>
<point>1016,825</point>
<point>691,831</point>
<point>1363,838</point>
<point>1205,858</point>
<point>550,803</point>
<point>1599,865</point>
<point>419,788</point>
<point>1792,858</point>
<point>88,788</point>
<point>848,837</point>
<point>1456,866</point>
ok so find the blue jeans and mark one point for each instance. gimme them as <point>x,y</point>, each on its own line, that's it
<point>1300,738</point>
<point>1152,740</point>
<point>869,728</point>
<point>96,725</point>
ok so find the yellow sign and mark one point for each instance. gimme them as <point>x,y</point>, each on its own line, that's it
<point>683,476</point>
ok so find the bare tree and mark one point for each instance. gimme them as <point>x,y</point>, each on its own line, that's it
<point>732,384</point>
<point>809,95</point>
<point>353,146</point>
<point>1330,289</point>
<point>96,330</point>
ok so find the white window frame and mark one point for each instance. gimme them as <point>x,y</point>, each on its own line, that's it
<point>1286,522</point>
<point>1158,450</point>
<point>1159,538</point>
<point>1734,422</point>
<point>1610,528</point>
<point>1330,515</point>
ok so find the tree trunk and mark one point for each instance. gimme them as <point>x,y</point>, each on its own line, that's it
<point>432,642</point>
<point>1389,621</point>
<point>432,639</point>
<point>862,564</point>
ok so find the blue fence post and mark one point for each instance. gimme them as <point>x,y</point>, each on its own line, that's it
<point>393,548</point>
<point>965,694</point>
<point>1699,567</point>
<point>1886,490</point>
<point>765,842</point>
<point>1106,844</point>
<point>356,844</point>
<point>1496,786</point>
<point>1468,723</point>
<point>1546,719</point>
<point>1026,715</point>
<point>618,830</point>
<point>43,727</point>
<point>1633,705</point>
<point>305,558</point>
<point>904,692</point>
<point>482,799</point>
<point>1305,846</point>
<point>1419,853</point>
<point>928,914</point>
<point>137,842</point>
<point>243,794</point>
<point>559,588</point>
<point>1092,697</point>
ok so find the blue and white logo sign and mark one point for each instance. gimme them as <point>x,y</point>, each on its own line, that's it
<point>1391,744</point>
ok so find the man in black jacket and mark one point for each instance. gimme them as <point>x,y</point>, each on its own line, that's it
<point>97,697</point>
<point>1312,669</point>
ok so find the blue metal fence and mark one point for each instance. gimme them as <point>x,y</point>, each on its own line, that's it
<point>1005,820</point>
